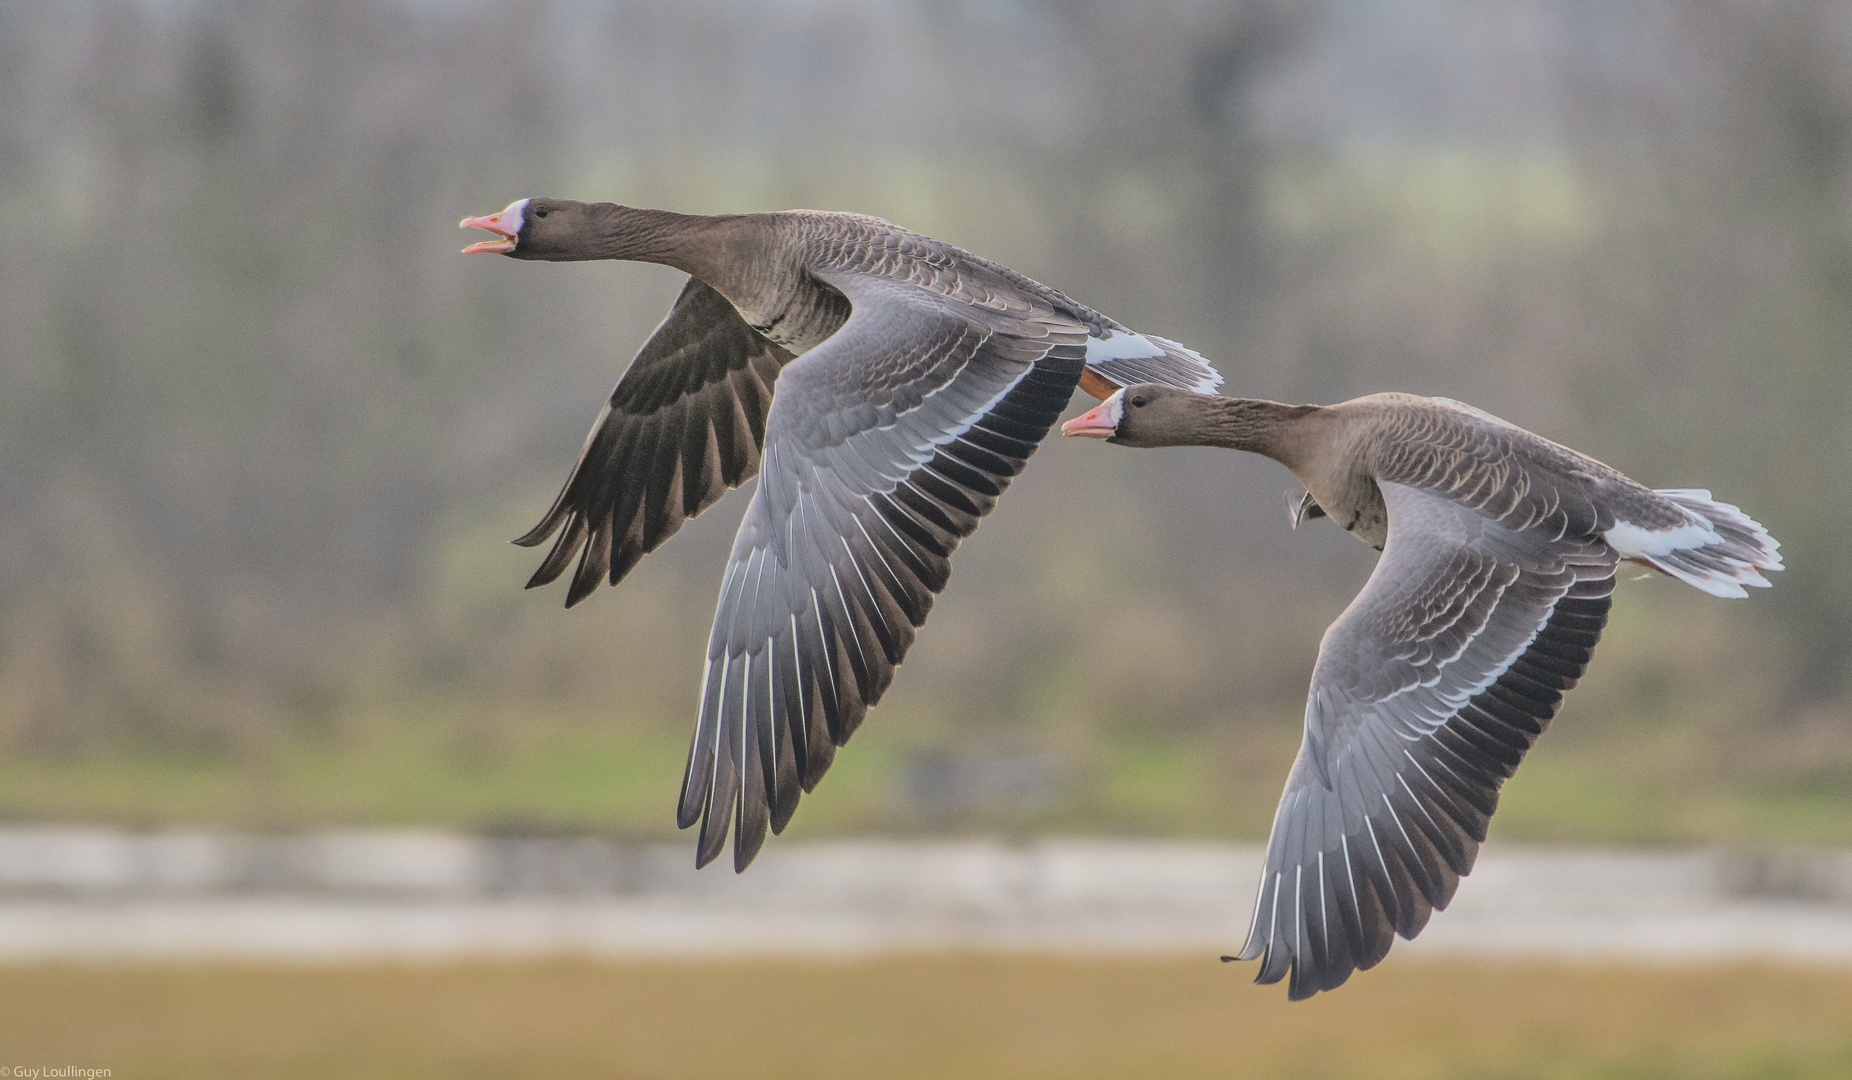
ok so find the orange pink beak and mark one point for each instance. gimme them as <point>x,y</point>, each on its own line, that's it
<point>1099,422</point>
<point>506,224</point>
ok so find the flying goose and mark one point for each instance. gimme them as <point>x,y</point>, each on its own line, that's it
<point>913,382</point>
<point>1499,554</point>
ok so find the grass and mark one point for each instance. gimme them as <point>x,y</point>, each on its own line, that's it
<point>405,774</point>
<point>555,773</point>
<point>925,1017</point>
<point>1666,742</point>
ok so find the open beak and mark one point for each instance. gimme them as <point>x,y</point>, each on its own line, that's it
<point>506,224</point>
<point>1099,422</point>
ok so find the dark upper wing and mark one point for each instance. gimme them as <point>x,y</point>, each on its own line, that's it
<point>885,446</point>
<point>684,425</point>
<point>1427,692</point>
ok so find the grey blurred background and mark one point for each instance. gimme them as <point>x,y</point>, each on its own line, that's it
<point>264,434</point>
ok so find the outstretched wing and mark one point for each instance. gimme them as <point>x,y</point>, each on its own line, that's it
<point>684,424</point>
<point>1427,692</point>
<point>885,446</point>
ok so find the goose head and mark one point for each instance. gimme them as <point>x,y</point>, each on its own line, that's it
<point>1148,414</point>
<point>552,229</point>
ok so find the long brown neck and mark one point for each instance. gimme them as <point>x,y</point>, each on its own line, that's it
<point>735,253</point>
<point>639,235</point>
<point>1255,425</point>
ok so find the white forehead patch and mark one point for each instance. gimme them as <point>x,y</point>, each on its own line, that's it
<point>514,216</point>
<point>1115,407</point>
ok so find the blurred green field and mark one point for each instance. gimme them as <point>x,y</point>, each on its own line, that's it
<point>1668,741</point>
<point>925,1017</point>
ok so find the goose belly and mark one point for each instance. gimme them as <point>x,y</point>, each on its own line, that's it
<point>1357,508</point>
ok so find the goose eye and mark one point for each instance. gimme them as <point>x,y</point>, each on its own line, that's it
<point>540,211</point>
<point>1138,403</point>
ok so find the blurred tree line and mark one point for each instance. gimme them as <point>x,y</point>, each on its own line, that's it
<point>264,432</point>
